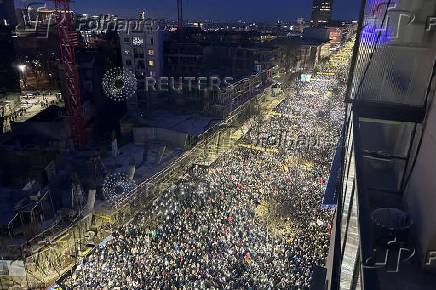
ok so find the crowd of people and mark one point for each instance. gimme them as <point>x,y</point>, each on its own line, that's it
<point>27,105</point>
<point>215,228</point>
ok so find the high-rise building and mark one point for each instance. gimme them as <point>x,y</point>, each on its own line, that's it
<point>321,12</point>
<point>142,53</point>
<point>385,226</point>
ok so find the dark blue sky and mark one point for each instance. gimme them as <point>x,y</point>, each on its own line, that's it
<point>251,10</point>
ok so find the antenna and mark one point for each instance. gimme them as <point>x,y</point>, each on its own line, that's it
<point>179,14</point>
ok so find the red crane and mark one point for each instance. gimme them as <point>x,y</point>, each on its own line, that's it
<point>67,41</point>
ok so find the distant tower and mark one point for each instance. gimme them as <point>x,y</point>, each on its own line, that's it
<point>142,15</point>
<point>179,14</point>
<point>321,12</point>
<point>300,20</point>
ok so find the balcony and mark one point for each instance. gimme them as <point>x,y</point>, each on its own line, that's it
<point>389,145</point>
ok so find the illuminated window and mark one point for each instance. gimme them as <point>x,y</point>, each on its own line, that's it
<point>150,52</point>
<point>151,62</point>
<point>137,41</point>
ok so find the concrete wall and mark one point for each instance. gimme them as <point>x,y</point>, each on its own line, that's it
<point>420,194</point>
<point>140,135</point>
<point>56,130</point>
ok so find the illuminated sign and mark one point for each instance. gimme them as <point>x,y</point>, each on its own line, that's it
<point>306,77</point>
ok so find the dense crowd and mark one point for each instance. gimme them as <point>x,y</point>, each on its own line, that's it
<point>215,228</point>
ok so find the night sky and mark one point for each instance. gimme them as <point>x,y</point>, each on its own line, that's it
<point>218,10</point>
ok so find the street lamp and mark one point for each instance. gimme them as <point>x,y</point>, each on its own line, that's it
<point>22,68</point>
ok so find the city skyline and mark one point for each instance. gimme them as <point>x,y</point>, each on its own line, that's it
<point>225,10</point>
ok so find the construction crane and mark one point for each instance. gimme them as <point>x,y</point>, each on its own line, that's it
<point>67,41</point>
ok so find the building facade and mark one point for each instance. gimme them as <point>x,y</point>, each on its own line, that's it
<point>142,53</point>
<point>386,143</point>
<point>321,12</point>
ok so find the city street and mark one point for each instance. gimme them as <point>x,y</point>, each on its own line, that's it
<point>254,205</point>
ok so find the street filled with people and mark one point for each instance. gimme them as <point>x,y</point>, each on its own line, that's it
<point>254,219</point>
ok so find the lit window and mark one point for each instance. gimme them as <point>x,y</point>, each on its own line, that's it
<point>151,62</point>
<point>150,52</point>
<point>138,41</point>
